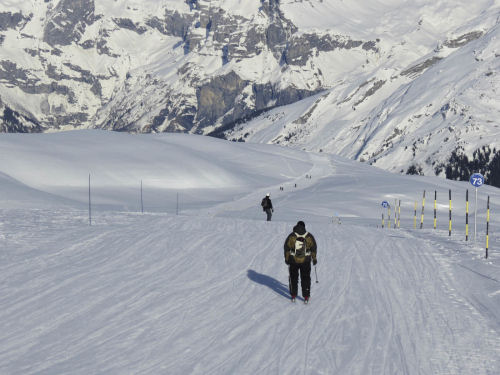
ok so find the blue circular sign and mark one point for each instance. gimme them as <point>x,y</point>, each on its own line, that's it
<point>477,179</point>
<point>385,204</point>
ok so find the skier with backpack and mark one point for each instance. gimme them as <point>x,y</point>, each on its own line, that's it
<point>267,206</point>
<point>300,248</point>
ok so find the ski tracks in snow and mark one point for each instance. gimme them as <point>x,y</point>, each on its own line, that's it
<point>249,204</point>
<point>208,295</point>
<point>382,306</point>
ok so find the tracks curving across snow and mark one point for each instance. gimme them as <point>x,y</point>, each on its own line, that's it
<point>209,296</point>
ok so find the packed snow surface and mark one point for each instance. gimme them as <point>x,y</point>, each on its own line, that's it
<point>197,284</point>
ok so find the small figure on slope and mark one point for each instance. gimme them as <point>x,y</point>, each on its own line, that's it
<point>267,206</point>
<point>300,248</point>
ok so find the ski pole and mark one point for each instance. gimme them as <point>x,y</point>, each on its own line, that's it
<point>289,281</point>
<point>316,274</point>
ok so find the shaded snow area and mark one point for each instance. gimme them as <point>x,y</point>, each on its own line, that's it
<point>197,283</point>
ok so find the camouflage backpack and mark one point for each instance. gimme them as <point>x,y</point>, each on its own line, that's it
<point>300,249</point>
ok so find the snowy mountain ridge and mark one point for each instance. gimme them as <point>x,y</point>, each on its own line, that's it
<point>400,84</point>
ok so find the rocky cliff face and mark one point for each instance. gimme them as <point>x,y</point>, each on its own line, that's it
<point>205,65</point>
<point>67,22</point>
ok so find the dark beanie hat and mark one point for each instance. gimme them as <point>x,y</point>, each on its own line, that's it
<point>301,224</point>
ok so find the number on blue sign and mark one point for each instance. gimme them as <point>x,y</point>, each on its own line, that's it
<point>477,179</point>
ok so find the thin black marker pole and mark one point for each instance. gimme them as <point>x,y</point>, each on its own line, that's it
<point>142,205</point>
<point>415,217</point>
<point>90,206</point>
<point>435,207</point>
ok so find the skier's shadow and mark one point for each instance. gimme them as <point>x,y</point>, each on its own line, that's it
<point>270,282</point>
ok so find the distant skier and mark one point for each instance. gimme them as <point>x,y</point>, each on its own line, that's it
<point>267,206</point>
<point>300,248</point>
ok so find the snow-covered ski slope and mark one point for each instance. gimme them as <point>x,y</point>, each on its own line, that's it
<point>205,291</point>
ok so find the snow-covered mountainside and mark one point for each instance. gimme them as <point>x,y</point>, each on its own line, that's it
<point>205,291</point>
<point>400,83</point>
<point>406,120</point>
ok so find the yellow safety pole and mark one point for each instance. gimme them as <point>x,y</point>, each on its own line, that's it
<point>399,213</point>
<point>389,216</point>
<point>383,220</point>
<point>449,226</point>
<point>395,213</point>
<point>467,215</point>
<point>487,226</point>
<point>422,216</point>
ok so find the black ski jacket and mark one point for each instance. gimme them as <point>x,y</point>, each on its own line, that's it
<point>267,204</point>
